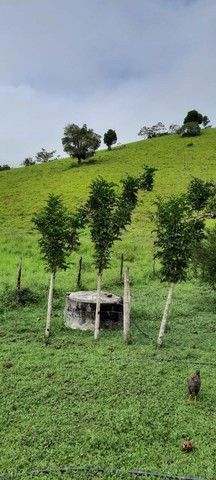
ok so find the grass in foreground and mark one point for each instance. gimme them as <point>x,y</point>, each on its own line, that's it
<point>78,403</point>
<point>70,403</point>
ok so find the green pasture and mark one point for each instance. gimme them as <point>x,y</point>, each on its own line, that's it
<point>72,402</point>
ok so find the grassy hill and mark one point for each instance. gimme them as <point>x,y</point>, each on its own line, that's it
<point>23,191</point>
<point>74,403</point>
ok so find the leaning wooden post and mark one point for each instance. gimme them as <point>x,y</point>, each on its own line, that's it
<point>18,290</point>
<point>126,306</point>
<point>165,315</point>
<point>18,286</point>
<point>79,273</point>
<point>49,308</point>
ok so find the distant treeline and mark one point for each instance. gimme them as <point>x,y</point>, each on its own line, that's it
<point>4,167</point>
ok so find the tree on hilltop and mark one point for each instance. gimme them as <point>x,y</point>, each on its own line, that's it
<point>110,138</point>
<point>154,131</point>
<point>5,167</point>
<point>28,162</point>
<point>193,116</point>
<point>190,129</point>
<point>43,156</point>
<point>173,128</point>
<point>80,143</point>
<point>205,122</point>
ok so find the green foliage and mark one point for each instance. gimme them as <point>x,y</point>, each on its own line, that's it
<point>193,116</point>
<point>205,121</point>
<point>80,143</point>
<point>146,179</point>
<point>190,129</point>
<point>199,193</point>
<point>108,214</point>
<point>28,162</point>
<point>154,131</point>
<point>110,138</point>
<point>130,413</point>
<point>173,128</point>
<point>100,209</point>
<point>177,232</point>
<point>59,236</point>
<point>43,156</point>
<point>4,167</point>
<point>205,257</point>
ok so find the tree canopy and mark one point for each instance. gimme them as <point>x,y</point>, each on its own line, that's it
<point>4,167</point>
<point>110,138</point>
<point>177,232</point>
<point>193,116</point>
<point>190,129</point>
<point>58,229</point>
<point>154,131</point>
<point>28,162</point>
<point>43,156</point>
<point>205,257</point>
<point>80,143</point>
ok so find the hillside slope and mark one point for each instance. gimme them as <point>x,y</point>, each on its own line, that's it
<point>73,402</point>
<point>23,192</point>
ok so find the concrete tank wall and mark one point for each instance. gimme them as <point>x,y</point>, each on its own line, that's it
<point>80,308</point>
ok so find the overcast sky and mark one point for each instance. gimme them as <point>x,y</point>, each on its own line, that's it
<point>118,64</point>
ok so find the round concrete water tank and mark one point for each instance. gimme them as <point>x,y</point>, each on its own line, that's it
<point>80,309</point>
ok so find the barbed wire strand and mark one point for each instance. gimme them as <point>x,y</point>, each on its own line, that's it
<point>109,470</point>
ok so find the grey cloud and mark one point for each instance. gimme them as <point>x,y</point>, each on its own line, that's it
<point>116,64</point>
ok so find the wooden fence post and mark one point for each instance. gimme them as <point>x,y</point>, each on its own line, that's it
<point>79,273</point>
<point>126,306</point>
<point>18,291</point>
<point>18,285</point>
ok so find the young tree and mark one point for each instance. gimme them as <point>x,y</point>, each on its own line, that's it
<point>177,232</point>
<point>107,215</point>
<point>80,143</point>
<point>110,138</point>
<point>43,156</point>
<point>199,194</point>
<point>59,237</point>
<point>205,257</point>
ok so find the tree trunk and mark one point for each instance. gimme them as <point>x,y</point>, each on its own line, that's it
<point>165,315</point>
<point>126,313</point>
<point>97,312</point>
<point>49,308</point>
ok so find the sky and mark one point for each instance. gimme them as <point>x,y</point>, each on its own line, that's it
<point>119,64</point>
